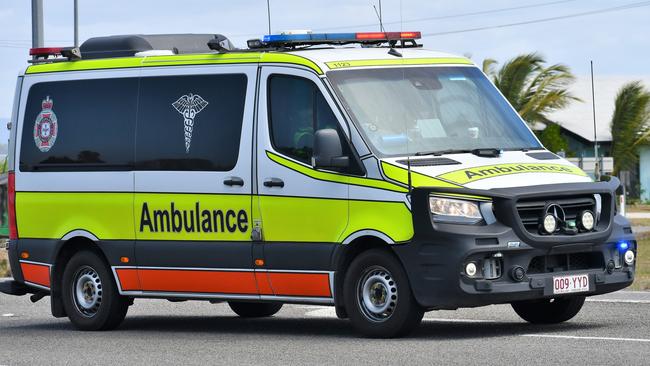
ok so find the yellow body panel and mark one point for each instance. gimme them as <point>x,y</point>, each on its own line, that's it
<point>175,60</point>
<point>468,175</point>
<point>398,62</point>
<point>50,215</point>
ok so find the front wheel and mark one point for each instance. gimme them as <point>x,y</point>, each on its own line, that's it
<point>90,296</point>
<point>549,311</point>
<point>378,296</point>
<point>254,309</point>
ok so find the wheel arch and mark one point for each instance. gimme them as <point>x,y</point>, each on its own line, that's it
<point>71,243</point>
<point>354,245</point>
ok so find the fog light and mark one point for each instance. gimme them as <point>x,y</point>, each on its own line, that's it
<point>470,269</point>
<point>629,257</point>
<point>549,224</point>
<point>518,273</point>
<point>586,221</point>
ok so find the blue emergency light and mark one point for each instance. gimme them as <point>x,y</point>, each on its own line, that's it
<point>338,38</point>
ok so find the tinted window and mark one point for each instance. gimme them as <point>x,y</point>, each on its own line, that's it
<point>80,125</point>
<point>297,109</point>
<point>190,122</point>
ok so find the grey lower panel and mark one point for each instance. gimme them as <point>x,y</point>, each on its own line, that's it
<point>201,254</point>
<point>299,256</point>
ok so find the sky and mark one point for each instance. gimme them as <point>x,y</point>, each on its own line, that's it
<point>615,40</point>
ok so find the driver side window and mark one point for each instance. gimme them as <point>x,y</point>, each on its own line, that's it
<point>296,110</point>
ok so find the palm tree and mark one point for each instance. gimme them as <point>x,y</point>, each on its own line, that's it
<point>533,89</point>
<point>630,125</point>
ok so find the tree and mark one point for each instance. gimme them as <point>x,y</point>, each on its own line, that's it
<point>629,125</point>
<point>552,139</point>
<point>533,89</point>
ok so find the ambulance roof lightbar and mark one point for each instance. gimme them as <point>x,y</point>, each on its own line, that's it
<point>336,38</point>
<point>42,54</point>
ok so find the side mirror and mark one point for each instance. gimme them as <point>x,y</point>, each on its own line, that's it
<point>328,152</point>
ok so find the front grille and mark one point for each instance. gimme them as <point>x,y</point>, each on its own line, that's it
<point>531,211</point>
<point>566,262</point>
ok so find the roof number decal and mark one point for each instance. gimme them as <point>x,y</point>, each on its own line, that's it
<point>189,106</point>
<point>46,127</point>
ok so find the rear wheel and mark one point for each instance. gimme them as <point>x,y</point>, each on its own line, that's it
<point>254,309</point>
<point>549,311</point>
<point>378,296</point>
<point>90,296</point>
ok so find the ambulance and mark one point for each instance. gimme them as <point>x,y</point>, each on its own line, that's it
<point>356,170</point>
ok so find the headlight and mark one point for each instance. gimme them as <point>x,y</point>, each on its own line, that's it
<point>454,210</point>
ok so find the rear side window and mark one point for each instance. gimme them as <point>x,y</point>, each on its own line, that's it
<point>297,109</point>
<point>80,125</point>
<point>190,122</point>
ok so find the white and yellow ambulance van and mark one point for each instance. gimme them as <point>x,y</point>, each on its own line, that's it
<point>356,170</point>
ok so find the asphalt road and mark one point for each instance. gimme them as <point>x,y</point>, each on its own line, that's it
<point>614,329</point>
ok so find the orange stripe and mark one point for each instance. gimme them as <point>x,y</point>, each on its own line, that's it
<point>198,281</point>
<point>36,273</point>
<point>300,284</point>
<point>129,280</point>
<point>263,283</point>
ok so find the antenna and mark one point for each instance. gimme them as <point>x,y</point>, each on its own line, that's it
<point>268,13</point>
<point>408,171</point>
<point>76,23</point>
<point>378,13</point>
<point>593,104</point>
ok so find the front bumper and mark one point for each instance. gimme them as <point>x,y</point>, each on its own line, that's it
<point>436,257</point>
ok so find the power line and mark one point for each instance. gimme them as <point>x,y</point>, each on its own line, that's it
<point>541,20</point>
<point>459,15</point>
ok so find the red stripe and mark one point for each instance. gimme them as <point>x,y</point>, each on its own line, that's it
<point>36,273</point>
<point>300,284</point>
<point>198,281</point>
<point>129,280</point>
<point>225,282</point>
<point>263,283</point>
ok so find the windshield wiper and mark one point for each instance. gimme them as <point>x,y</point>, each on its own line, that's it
<point>442,152</point>
<point>483,152</point>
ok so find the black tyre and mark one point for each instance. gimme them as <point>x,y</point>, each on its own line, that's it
<point>549,311</point>
<point>378,296</point>
<point>90,296</point>
<point>254,309</point>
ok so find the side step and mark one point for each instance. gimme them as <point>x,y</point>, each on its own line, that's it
<point>12,287</point>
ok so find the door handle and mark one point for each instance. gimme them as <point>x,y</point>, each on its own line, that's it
<point>273,182</point>
<point>233,181</point>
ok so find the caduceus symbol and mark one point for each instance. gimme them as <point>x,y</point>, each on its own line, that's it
<point>189,106</point>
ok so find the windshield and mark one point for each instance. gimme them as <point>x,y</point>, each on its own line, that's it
<point>402,111</point>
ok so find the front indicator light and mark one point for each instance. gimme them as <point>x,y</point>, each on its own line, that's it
<point>629,257</point>
<point>454,210</point>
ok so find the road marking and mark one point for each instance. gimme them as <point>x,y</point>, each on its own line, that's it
<point>458,320</point>
<point>623,301</point>
<point>329,312</point>
<point>586,338</point>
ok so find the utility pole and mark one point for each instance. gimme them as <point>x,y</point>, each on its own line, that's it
<point>593,105</point>
<point>37,24</point>
<point>76,23</point>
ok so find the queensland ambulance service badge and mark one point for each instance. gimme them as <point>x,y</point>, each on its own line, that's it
<point>46,127</point>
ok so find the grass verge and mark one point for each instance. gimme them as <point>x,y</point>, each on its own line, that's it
<point>642,279</point>
<point>4,264</point>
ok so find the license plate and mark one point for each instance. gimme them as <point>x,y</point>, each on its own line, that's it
<point>570,284</point>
